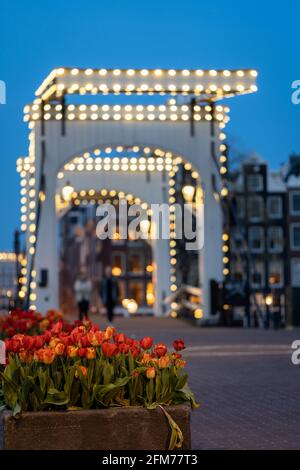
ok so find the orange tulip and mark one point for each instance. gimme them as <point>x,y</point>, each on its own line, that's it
<point>180,363</point>
<point>109,332</point>
<point>150,373</point>
<point>59,349</point>
<point>83,371</point>
<point>72,351</point>
<point>146,358</point>
<point>163,362</point>
<point>90,353</point>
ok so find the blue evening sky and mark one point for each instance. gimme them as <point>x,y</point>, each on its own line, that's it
<point>38,36</point>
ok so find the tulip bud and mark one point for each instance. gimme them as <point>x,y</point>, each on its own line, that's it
<point>147,342</point>
<point>150,373</point>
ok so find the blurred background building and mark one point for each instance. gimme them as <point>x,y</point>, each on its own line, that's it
<point>262,220</point>
<point>8,281</point>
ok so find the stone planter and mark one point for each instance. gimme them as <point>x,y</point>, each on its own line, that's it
<point>123,428</point>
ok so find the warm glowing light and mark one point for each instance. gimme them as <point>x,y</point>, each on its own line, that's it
<point>67,192</point>
<point>269,299</point>
<point>116,271</point>
<point>188,192</point>
<point>198,313</point>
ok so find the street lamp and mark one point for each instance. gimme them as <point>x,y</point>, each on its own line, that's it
<point>67,192</point>
<point>188,192</point>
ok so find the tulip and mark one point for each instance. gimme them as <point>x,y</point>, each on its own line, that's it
<point>146,358</point>
<point>120,338</point>
<point>124,348</point>
<point>180,363</point>
<point>45,355</point>
<point>23,356</point>
<point>175,356</point>
<point>82,352</point>
<point>109,349</point>
<point>160,350</point>
<point>95,338</point>
<point>53,342</point>
<point>72,351</point>
<point>146,342</point>
<point>109,332</point>
<point>135,351</point>
<point>44,324</point>
<point>90,353</point>
<point>150,373</point>
<point>84,342</point>
<point>83,371</point>
<point>178,345</point>
<point>163,362</point>
<point>59,349</point>
<point>39,341</point>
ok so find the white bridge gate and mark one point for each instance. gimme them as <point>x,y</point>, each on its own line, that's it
<point>133,148</point>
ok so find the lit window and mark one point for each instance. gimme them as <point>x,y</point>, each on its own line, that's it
<point>136,291</point>
<point>276,273</point>
<point>118,263</point>
<point>135,263</point>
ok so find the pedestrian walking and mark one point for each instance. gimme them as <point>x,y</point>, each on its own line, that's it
<point>83,291</point>
<point>109,293</point>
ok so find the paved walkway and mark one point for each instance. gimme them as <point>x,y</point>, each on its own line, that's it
<point>248,389</point>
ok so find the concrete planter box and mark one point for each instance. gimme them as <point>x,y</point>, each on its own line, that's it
<point>131,428</point>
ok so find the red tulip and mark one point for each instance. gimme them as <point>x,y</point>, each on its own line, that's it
<point>135,351</point>
<point>146,342</point>
<point>109,349</point>
<point>160,350</point>
<point>120,338</point>
<point>178,345</point>
<point>57,328</point>
<point>29,342</point>
<point>82,352</point>
<point>124,348</point>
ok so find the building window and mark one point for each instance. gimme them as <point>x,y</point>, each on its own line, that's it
<point>275,239</point>
<point>275,273</point>
<point>256,239</point>
<point>295,203</point>
<point>118,264</point>
<point>240,207</point>
<point>258,275</point>
<point>255,208</point>
<point>135,263</point>
<point>136,291</point>
<point>295,272</point>
<point>295,236</point>
<point>254,182</point>
<point>275,207</point>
